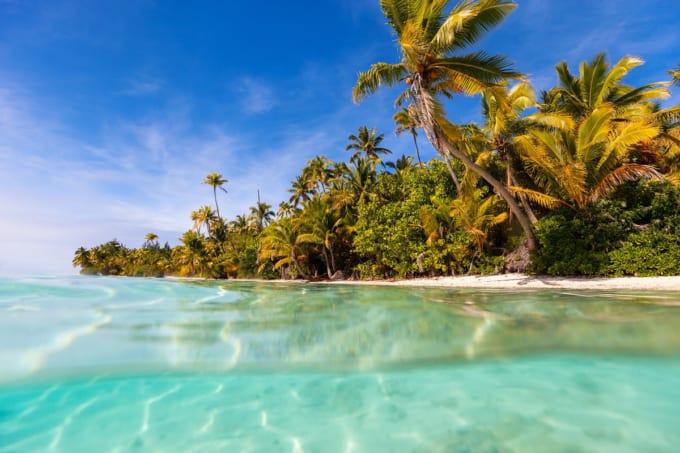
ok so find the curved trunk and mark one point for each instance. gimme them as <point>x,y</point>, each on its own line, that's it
<point>423,100</point>
<point>522,217</point>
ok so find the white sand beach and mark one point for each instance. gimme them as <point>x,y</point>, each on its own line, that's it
<point>510,281</point>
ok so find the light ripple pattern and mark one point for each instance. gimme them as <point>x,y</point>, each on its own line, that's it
<point>113,364</point>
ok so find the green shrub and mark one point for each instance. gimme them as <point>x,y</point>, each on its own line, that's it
<point>647,253</point>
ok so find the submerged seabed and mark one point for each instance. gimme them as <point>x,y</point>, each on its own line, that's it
<point>100,364</point>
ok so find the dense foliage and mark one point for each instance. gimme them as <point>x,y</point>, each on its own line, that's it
<point>585,176</point>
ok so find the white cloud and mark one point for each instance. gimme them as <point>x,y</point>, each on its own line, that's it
<point>257,96</point>
<point>143,86</point>
<point>58,193</point>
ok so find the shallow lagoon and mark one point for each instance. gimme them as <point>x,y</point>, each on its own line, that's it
<point>105,364</point>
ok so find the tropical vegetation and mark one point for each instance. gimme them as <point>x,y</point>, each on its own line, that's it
<point>584,178</point>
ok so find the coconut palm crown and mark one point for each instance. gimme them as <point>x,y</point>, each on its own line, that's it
<point>429,33</point>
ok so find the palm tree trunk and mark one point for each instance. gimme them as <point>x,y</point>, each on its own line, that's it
<point>445,158</point>
<point>333,266</point>
<point>216,205</point>
<point>297,266</point>
<point>327,262</point>
<point>525,202</point>
<point>415,143</point>
<point>522,217</point>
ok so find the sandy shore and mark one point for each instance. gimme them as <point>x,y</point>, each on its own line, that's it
<point>509,281</point>
<point>503,281</point>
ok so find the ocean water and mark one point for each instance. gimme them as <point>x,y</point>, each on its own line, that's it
<point>114,364</point>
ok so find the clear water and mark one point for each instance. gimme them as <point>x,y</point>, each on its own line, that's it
<point>99,364</point>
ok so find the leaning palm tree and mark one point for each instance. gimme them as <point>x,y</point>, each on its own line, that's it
<point>430,34</point>
<point>366,143</point>
<point>216,181</point>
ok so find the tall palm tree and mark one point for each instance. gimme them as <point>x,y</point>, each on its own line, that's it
<point>429,34</point>
<point>367,143</point>
<point>216,181</point>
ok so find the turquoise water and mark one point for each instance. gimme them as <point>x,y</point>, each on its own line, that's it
<point>102,364</point>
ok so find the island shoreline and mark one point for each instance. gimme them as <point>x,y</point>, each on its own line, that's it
<point>501,281</point>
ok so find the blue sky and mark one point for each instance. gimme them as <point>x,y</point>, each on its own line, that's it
<point>112,112</point>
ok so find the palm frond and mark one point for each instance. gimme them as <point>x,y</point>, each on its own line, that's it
<point>467,22</point>
<point>540,198</point>
<point>622,174</point>
<point>616,73</point>
<point>396,12</point>
<point>378,74</point>
<point>551,120</point>
<point>473,72</point>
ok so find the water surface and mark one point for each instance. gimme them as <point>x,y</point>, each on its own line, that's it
<point>104,364</point>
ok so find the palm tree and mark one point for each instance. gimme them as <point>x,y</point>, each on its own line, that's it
<point>502,108</point>
<point>280,242</point>
<point>82,259</point>
<point>262,213</point>
<point>216,181</point>
<point>406,121</point>
<point>318,172</point>
<point>192,252</point>
<point>300,189</point>
<point>578,165</point>
<point>476,215</point>
<point>150,240</point>
<point>202,217</point>
<point>323,223</point>
<point>366,143</point>
<point>429,35</point>
<point>597,84</point>
<point>285,210</point>
<point>239,224</point>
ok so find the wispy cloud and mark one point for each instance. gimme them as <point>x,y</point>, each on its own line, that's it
<point>143,86</point>
<point>257,96</point>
